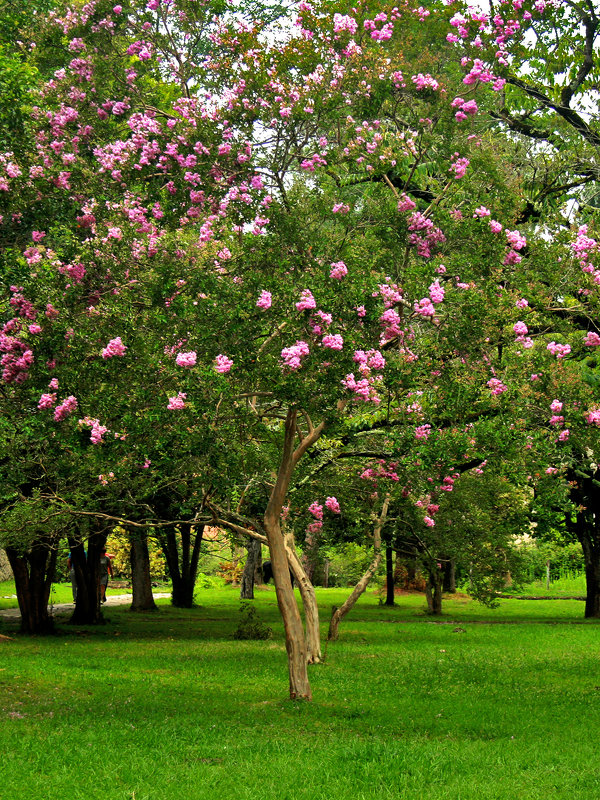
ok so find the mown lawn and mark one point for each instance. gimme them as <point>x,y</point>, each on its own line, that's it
<point>489,705</point>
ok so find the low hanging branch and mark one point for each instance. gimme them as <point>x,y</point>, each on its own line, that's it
<point>338,613</point>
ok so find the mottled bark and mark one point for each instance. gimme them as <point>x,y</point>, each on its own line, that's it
<point>433,590</point>
<point>141,583</point>
<point>254,548</point>
<point>294,632</point>
<point>309,601</point>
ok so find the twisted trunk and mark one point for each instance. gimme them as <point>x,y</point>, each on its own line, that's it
<point>309,601</point>
<point>337,614</point>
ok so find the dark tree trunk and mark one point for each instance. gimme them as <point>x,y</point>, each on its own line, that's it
<point>183,562</point>
<point>389,575</point>
<point>33,573</point>
<point>450,576</point>
<point>258,569</point>
<point>433,591</point>
<point>310,556</point>
<point>87,574</point>
<point>585,494</point>
<point>247,583</point>
<point>141,584</point>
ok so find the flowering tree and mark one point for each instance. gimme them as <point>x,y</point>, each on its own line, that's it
<point>232,235</point>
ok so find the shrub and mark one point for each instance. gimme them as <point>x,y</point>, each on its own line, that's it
<point>250,625</point>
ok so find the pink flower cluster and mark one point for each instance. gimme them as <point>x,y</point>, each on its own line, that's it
<point>422,431</point>
<point>496,386</point>
<point>425,234</point>
<point>66,407</point>
<point>593,416</point>
<point>306,302</point>
<point>559,350</point>
<point>292,356</point>
<point>332,504</point>
<point>97,431</point>
<point>592,339</point>
<point>333,341</point>
<point>177,403</point>
<point>338,270</point>
<point>114,348</point>
<point>381,469</point>
<point>223,364</point>
<point>265,300</point>
<point>186,359</point>
<point>465,108</point>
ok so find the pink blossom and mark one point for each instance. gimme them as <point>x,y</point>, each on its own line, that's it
<point>563,435</point>
<point>307,301</point>
<point>551,471</point>
<point>520,328</point>
<point>316,510</point>
<point>223,364</point>
<point>114,348</point>
<point>338,270</point>
<point>495,226</point>
<point>496,386</point>
<point>429,522</point>
<point>332,504</point>
<point>593,416</point>
<point>482,211</point>
<point>67,406</point>
<point>178,402</point>
<point>422,432</point>
<point>522,303</point>
<point>186,359</point>
<point>592,339</point>
<point>265,300</point>
<point>340,208</point>
<point>559,350</point>
<point>333,341</point>
<point>516,239</point>
<point>292,356</point>
<point>47,401</point>
<point>556,406</point>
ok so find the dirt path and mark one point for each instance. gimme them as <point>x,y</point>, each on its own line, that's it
<point>111,600</point>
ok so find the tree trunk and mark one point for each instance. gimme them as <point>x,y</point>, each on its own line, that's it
<point>338,613</point>
<point>450,576</point>
<point>33,573</point>
<point>141,583</point>
<point>295,642</point>
<point>87,573</point>
<point>309,601</point>
<point>247,583</point>
<point>182,562</point>
<point>389,575</point>
<point>585,496</point>
<point>433,591</point>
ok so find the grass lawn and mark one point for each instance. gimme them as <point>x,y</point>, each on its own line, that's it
<point>490,705</point>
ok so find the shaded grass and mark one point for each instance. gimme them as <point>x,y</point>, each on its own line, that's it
<point>165,706</point>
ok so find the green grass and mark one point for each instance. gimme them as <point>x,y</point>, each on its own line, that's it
<point>490,706</point>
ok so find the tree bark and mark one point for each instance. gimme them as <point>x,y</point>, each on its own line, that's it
<point>389,575</point>
<point>295,642</point>
<point>182,562</point>
<point>309,601</point>
<point>339,613</point>
<point>433,591</point>
<point>33,573</point>
<point>141,583</point>
<point>585,496</point>
<point>254,548</point>
<point>87,572</point>
<point>450,576</point>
